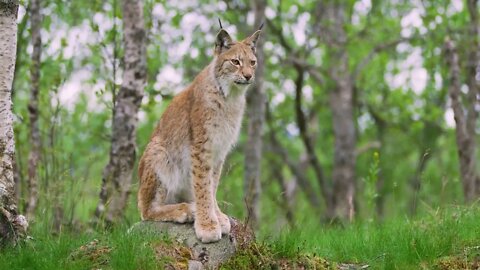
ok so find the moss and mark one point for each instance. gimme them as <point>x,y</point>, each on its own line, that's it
<point>469,259</point>
<point>172,255</point>
<point>98,255</point>
<point>261,256</point>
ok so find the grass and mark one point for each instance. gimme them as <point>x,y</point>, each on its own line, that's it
<point>398,244</point>
<point>439,239</point>
<point>108,250</point>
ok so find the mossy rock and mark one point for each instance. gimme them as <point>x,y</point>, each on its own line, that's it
<point>183,248</point>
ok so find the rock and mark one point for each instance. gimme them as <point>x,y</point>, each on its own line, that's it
<point>202,255</point>
<point>195,265</point>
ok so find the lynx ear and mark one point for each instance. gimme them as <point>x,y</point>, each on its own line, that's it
<point>252,40</point>
<point>223,42</point>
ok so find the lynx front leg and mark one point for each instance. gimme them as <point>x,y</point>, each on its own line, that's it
<point>222,218</point>
<point>207,227</point>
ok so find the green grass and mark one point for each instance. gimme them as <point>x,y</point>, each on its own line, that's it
<point>125,251</point>
<point>398,244</point>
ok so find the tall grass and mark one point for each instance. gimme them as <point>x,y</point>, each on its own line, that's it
<point>397,244</point>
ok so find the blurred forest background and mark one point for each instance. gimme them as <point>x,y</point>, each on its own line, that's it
<point>365,110</point>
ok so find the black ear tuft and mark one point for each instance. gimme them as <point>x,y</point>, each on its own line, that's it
<point>220,22</point>
<point>222,42</point>
<point>261,25</point>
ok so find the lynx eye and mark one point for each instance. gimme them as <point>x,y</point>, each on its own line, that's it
<point>235,62</point>
<point>253,62</point>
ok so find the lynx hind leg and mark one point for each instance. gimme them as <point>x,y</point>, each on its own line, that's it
<point>151,200</point>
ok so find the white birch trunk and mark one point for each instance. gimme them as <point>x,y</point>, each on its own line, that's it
<point>11,224</point>
<point>117,175</point>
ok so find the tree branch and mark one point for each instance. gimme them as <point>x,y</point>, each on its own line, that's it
<point>368,146</point>
<point>307,140</point>
<point>294,168</point>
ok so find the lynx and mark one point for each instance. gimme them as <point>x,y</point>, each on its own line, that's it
<point>181,166</point>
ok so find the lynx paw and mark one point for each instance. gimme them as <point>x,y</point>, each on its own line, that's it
<point>224,223</point>
<point>208,231</point>
<point>185,217</point>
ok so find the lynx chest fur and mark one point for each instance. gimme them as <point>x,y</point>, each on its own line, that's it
<point>181,166</point>
<point>226,124</point>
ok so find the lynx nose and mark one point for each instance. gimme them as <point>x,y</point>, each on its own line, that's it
<point>247,76</point>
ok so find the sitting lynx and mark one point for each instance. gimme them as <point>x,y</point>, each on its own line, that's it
<point>181,166</point>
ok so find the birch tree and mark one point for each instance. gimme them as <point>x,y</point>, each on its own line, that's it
<point>12,225</point>
<point>473,95</point>
<point>332,24</point>
<point>256,114</point>
<point>34,155</point>
<point>465,139</point>
<point>117,175</point>
<point>464,104</point>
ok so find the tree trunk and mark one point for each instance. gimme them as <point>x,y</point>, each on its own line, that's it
<point>465,137</point>
<point>344,158</point>
<point>34,155</point>
<point>330,28</point>
<point>12,225</point>
<point>341,104</point>
<point>473,95</point>
<point>17,180</point>
<point>17,166</point>
<point>256,113</point>
<point>117,175</point>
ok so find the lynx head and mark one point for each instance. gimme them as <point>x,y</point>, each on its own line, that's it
<point>235,61</point>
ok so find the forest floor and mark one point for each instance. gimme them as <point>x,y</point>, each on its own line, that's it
<point>446,239</point>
